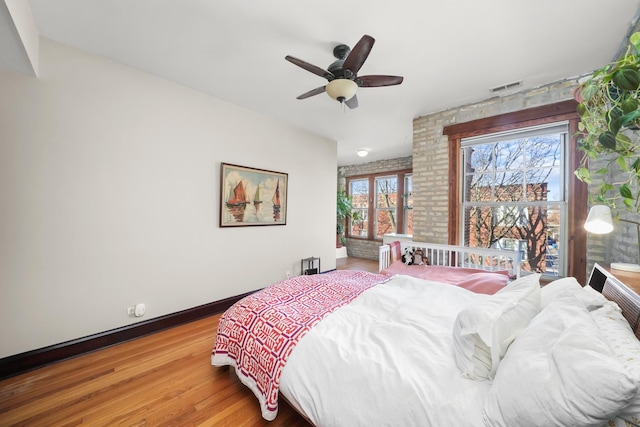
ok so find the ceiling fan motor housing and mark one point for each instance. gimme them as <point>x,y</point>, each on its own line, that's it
<point>341,52</point>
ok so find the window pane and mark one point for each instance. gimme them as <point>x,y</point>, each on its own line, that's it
<point>360,226</point>
<point>479,187</point>
<point>545,184</point>
<point>544,151</point>
<point>385,222</point>
<point>386,201</point>
<point>509,154</point>
<point>479,157</point>
<point>508,187</point>
<point>409,222</point>
<point>408,205</point>
<point>386,192</point>
<point>359,192</point>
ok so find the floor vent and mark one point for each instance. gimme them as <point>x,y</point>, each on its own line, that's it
<point>502,88</point>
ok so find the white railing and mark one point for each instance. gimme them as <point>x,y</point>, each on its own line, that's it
<point>459,256</point>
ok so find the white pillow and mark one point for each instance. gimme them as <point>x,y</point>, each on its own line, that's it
<point>550,291</point>
<point>483,330</point>
<point>625,347</point>
<point>591,298</point>
<point>559,372</point>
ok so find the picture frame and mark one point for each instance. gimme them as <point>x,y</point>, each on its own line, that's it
<point>252,197</point>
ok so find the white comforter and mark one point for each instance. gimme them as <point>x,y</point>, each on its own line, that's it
<point>386,359</point>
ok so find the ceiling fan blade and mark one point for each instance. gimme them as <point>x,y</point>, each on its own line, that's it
<point>358,54</point>
<point>310,67</point>
<point>352,102</point>
<point>312,92</point>
<point>375,81</point>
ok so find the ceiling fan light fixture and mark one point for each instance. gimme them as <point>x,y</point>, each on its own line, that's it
<point>341,89</point>
<point>362,152</point>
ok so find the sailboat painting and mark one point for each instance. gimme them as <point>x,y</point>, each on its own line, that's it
<point>252,196</point>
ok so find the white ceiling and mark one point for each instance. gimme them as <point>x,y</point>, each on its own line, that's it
<point>449,52</point>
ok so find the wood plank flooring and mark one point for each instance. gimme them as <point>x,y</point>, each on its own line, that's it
<point>351,263</point>
<point>164,379</point>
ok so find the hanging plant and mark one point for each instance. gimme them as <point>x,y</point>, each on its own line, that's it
<point>609,118</point>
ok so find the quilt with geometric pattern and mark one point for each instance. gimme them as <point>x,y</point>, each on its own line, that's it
<point>258,333</point>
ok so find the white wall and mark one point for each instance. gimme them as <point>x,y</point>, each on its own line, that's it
<point>109,196</point>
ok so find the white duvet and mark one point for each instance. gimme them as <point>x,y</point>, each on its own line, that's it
<point>386,359</point>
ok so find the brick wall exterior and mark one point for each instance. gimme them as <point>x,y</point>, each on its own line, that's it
<point>367,248</point>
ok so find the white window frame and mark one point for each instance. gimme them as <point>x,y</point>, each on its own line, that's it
<point>546,129</point>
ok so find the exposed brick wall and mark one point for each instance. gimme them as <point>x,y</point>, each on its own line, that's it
<point>430,163</point>
<point>367,248</point>
<point>431,156</point>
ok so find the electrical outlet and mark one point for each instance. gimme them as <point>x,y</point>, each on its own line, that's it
<point>131,311</point>
<point>139,310</point>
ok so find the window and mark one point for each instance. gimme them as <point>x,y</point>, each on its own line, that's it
<point>407,203</point>
<point>514,190</point>
<point>386,198</point>
<point>573,254</point>
<point>359,192</point>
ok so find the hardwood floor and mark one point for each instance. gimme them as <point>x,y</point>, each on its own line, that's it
<point>164,379</point>
<point>351,263</point>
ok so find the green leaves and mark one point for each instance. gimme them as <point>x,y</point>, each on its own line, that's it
<point>609,111</point>
<point>629,105</point>
<point>625,191</point>
<point>608,140</point>
<point>583,175</point>
<point>588,91</point>
<point>622,164</point>
<point>627,78</point>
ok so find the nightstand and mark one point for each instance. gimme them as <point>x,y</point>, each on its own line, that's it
<point>310,265</point>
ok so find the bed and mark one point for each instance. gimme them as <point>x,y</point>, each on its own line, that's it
<point>481,270</point>
<point>350,348</point>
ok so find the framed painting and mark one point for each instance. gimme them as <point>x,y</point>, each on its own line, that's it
<point>250,196</point>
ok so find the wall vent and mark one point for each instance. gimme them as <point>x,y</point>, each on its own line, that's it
<point>498,89</point>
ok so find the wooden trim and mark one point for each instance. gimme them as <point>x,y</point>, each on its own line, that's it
<point>577,211</point>
<point>578,192</point>
<point>454,225</point>
<point>30,360</point>
<point>559,111</point>
<point>377,174</point>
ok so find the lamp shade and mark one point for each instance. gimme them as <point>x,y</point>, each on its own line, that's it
<point>599,220</point>
<point>341,89</point>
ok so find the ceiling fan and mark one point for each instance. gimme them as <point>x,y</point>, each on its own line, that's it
<point>342,74</point>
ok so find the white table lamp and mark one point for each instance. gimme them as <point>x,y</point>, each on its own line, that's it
<point>599,221</point>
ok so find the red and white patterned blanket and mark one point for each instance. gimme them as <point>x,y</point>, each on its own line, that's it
<point>258,333</point>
